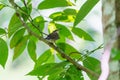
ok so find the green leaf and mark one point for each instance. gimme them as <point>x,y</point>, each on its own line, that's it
<point>33,38</point>
<point>46,4</point>
<point>57,71</point>
<point>19,48</point>
<point>63,17</point>
<point>2,6</point>
<point>49,69</point>
<point>84,10</point>
<point>42,70</point>
<point>17,37</point>
<point>73,73</point>
<point>2,31</point>
<point>39,22</point>
<point>60,57</point>
<point>68,49</point>
<point>46,57</point>
<point>82,34</point>
<point>58,16</point>
<point>93,64</point>
<point>27,11</point>
<point>32,49</point>
<point>3,52</point>
<point>70,11</point>
<point>35,30</point>
<point>64,31</point>
<point>14,25</point>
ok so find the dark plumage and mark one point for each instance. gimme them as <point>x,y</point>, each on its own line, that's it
<point>53,36</point>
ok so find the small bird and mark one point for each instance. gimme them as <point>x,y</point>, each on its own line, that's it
<point>53,36</point>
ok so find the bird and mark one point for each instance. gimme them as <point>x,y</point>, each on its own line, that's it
<point>53,36</point>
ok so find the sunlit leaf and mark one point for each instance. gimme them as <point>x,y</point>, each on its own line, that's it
<point>32,49</point>
<point>63,17</point>
<point>82,34</point>
<point>84,10</point>
<point>2,6</point>
<point>17,37</point>
<point>46,4</point>
<point>2,31</point>
<point>19,48</point>
<point>3,52</point>
<point>39,22</point>
<point>51,27</point>
<point>58,16</point>
<point>46,57</point>
<point>14,25</point>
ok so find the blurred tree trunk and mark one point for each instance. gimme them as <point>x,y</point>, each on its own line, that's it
<point>111,28</point>
<point>117,20</point>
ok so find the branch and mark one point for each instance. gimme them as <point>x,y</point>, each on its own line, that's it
<point>79,66</point>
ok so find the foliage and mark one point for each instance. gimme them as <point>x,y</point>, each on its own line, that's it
<point>24,31</point>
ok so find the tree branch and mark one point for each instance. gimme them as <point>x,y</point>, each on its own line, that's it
<point>79,66</point>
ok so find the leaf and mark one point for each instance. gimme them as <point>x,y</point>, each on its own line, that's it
<point>68,49</point>
<point>70,11</point>
<point>84,10</point>
<point>93,64</point>
<point>3,52</point>
<point>60,57</point>
<point>44,58</point>
<point>57,71</point>
<point>35,30</point>
<point>26,12</point>
<point>46,4</point>
<point>19,48</point>
<point>39,22</point>
<point>2,31</point>
<point>2,6</point>
<point>61,16</point>
<point>74,74</point>
<point>82,34</point>
<point>17,37</point>
<point>31,47</point>
<point>42,70</point>
<point>14,25</point>
<point>64,31</point>
<point>48,69</point>
<point>58,16</point>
